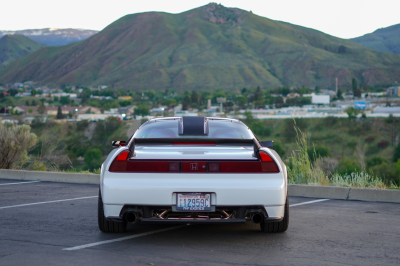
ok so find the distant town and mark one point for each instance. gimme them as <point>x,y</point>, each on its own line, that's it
<point>26,102</point>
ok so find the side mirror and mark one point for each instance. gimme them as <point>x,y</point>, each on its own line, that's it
<point>118,143</point>
<point>268,143</point>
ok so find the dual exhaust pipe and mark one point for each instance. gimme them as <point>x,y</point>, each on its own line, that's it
<point>131,217</point>
<point>257,218</point>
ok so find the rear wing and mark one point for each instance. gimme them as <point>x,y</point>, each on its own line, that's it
<point>194,141</point>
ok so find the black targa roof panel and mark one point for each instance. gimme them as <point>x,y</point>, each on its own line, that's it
<point>193,125</point>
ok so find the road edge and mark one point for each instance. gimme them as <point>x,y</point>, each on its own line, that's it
<point>327,192</point>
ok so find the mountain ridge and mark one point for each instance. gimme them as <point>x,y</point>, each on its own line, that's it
<point>383,40</point>
<point>205,48</point>
<point>53,36</point>
<point>13,47</point>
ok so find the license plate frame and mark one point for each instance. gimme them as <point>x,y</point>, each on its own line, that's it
<point>191,196</point>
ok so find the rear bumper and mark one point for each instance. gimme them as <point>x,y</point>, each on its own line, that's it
<point>139,189</point>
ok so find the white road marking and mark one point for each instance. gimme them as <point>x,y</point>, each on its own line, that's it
<point>5,184</point>
<point>123,238</point>
<point>159,231</point>
<point>308,202</point>
<point>36,203</point>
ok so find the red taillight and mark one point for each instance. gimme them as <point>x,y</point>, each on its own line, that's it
<point>265,157</point>
<point>123,156</point>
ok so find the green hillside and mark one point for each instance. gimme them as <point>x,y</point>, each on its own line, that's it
<point>382,40</point>
<point>15,46</point>
<point>206,48</point>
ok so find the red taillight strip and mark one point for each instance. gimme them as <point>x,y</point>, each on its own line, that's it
<point>139,166</point>
<point>122,164</point>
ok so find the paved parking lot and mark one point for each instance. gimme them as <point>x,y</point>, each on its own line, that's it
<point>44,223</point>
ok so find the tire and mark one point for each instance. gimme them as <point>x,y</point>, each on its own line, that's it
<point>105,225</point>
<point>277,227</point>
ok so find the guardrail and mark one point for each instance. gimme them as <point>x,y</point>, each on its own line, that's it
<point>342,193</point>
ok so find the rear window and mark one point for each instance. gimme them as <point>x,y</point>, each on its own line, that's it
<point>219,129</point>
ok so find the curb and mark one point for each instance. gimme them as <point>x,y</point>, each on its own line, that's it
<point>345,193</point>
<point>50,176</point>
<point>341,193</point>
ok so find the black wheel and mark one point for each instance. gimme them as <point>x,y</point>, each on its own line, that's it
<point>105,225</point>
<point>277,227</point>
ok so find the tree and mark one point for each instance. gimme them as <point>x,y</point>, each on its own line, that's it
<point>169,102</point>
<point>33,103</point>
<point>317,152</point>
<point>396,154</point>
<point>142,109</point>
<point>15,142</point>
<point>352,113</point>
<point>354,86</point>
<point>278,147</point>
<point>27,103</point>
<point>59,113</point>
<point>339,94</point>
<point>92,158</point>
<point>64,100</point>
<point>41,109</point>
<point>186,102</point>
<point>194,97</point>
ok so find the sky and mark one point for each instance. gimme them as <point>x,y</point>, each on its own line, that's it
<point>340,18</point>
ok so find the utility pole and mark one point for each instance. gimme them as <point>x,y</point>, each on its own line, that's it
<point>336,87</point>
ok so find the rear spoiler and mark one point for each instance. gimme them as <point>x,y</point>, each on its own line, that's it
<point>206,141</point>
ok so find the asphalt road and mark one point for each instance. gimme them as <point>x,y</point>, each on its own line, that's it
<point>47,223</point>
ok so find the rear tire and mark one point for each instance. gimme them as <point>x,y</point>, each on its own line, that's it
<point>105,225</point>
<point>277,227</point>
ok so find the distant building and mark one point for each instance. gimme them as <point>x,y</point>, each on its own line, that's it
<point>124,98</point>
<point>393,91</point>
<point>361,105</point>
<point>320,99</point>
<point>386,110</point>
<point>63,94</point>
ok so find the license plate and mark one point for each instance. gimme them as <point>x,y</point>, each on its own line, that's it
<point>193,201</point>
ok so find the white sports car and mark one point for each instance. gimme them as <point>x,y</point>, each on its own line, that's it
<point>193,170</point>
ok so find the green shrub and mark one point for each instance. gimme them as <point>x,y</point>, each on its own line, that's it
<point>347,166</point>
<point>15,142</point>
<point>260,129</point>
<point>278,147</point>
<point>92,159</point>
<point>318,152</point>
<point>375,160</point>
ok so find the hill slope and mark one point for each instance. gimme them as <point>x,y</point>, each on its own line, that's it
<point>205,48</point>
<point>53,37</point>
<point>15,46</point>
<point>382,40</point>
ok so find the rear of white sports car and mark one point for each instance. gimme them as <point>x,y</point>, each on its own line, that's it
<point>193,170</point>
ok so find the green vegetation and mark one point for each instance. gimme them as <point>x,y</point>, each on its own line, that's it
<point>205,48</point>
<point>15,142</point>
<point>13,47</point>
<point>349,155</point>
<point>302,171</point>
<point>383,40</point>
<point>326,148</point>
